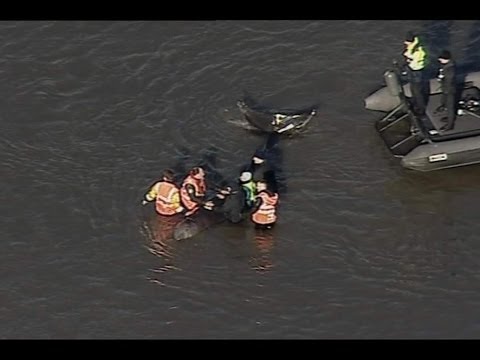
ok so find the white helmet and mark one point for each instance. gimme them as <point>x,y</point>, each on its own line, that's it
<point>246,176</point>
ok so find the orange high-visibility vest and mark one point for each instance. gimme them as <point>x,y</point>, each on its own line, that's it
<point>200,188</point>
<point>164,202</point>
<point>266,213</point>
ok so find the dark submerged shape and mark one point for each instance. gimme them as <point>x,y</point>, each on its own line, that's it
<point>234,208</point>
<point>280,121</point>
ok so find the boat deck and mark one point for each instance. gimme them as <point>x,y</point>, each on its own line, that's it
<point>463,123</point>
<point>396,128</point>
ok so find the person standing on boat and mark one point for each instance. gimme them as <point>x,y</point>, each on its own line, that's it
<point>415,58</point>
<point>166,195</point>
<point>447,77</point>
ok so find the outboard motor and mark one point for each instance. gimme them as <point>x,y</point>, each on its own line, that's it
<point>393,83</point>
<point>469,100</point>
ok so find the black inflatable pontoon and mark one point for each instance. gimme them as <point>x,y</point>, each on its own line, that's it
<point>419,141</point>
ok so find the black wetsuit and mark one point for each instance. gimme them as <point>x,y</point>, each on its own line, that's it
<point>258,170</point>
<point>269,170</point>
<point>449,88</point>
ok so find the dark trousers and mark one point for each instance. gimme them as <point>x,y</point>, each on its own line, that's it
<point>415,77</point>
<point>448,102</point>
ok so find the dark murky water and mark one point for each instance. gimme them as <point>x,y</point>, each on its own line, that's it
<point>93,111</point>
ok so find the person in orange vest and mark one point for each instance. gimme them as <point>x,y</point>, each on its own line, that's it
<point>166,195</point>
<point>193,192</point>
<point>264,211</point>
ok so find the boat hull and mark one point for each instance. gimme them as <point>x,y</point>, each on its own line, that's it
<point>443,155</point>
